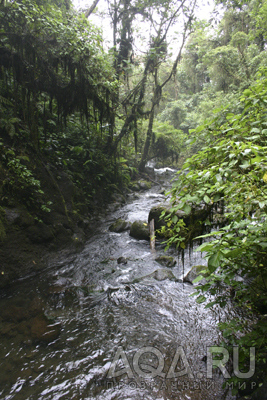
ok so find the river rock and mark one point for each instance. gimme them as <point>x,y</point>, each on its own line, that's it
<point>137,186</point>
<point>160,275</point>
<point>144,185</point>
<point>122,260</point>
<point>120,225</point>
<point>139,230</point>
<point>166,261</point>
<point>193,274</point>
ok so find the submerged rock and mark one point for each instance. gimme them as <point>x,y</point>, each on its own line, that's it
<point>166,261</point>
<point>120,225</point>
<point>139,230</point>
<point>137,186</point>
<point>42,330</point>
<point>122,260</point>
<point>193,273</point>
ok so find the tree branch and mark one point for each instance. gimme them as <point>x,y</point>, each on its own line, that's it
<point>91,9</point>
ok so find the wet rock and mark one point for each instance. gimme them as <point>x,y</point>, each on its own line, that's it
<point>166,261</point>
<point>137,186</point>
<point>122,260</point>
<point>160,275</point>
<point>193,273</point>
<point>139,230</point>
<point>42,330</point>
<point>120,225</point>
<point>163,274</point>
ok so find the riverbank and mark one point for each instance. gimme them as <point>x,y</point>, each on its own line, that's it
<point>60,220</point>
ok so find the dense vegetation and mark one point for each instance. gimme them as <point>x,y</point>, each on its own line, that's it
<point>67,104</point>
<point>224,79</point>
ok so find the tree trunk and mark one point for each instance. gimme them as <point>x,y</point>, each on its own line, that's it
<point>149,133</point>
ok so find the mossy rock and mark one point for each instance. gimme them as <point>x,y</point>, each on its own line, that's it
<point>120,225</point>
<point>137,186</point>
<point>193,273</point>
<point>139,230</point>
<point>166,261</point>
<point>144,185</point>
<point>134,186</point>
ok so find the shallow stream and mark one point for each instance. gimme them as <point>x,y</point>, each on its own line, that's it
<point>99,316</point>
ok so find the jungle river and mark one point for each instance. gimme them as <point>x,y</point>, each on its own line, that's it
<point>111,335</point>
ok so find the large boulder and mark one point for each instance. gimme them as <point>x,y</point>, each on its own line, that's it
<point>137,186</point>
<point>139,230</point>
<point>193,273</point>
<point>120,225</point>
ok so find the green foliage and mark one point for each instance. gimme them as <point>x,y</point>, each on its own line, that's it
<point>229,175</point>
<point>218,64</point>
<point>18,179</point>
<point>168,141</point>
<point>56,88</point>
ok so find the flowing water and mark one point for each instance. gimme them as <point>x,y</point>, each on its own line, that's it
<point>153,328</point>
